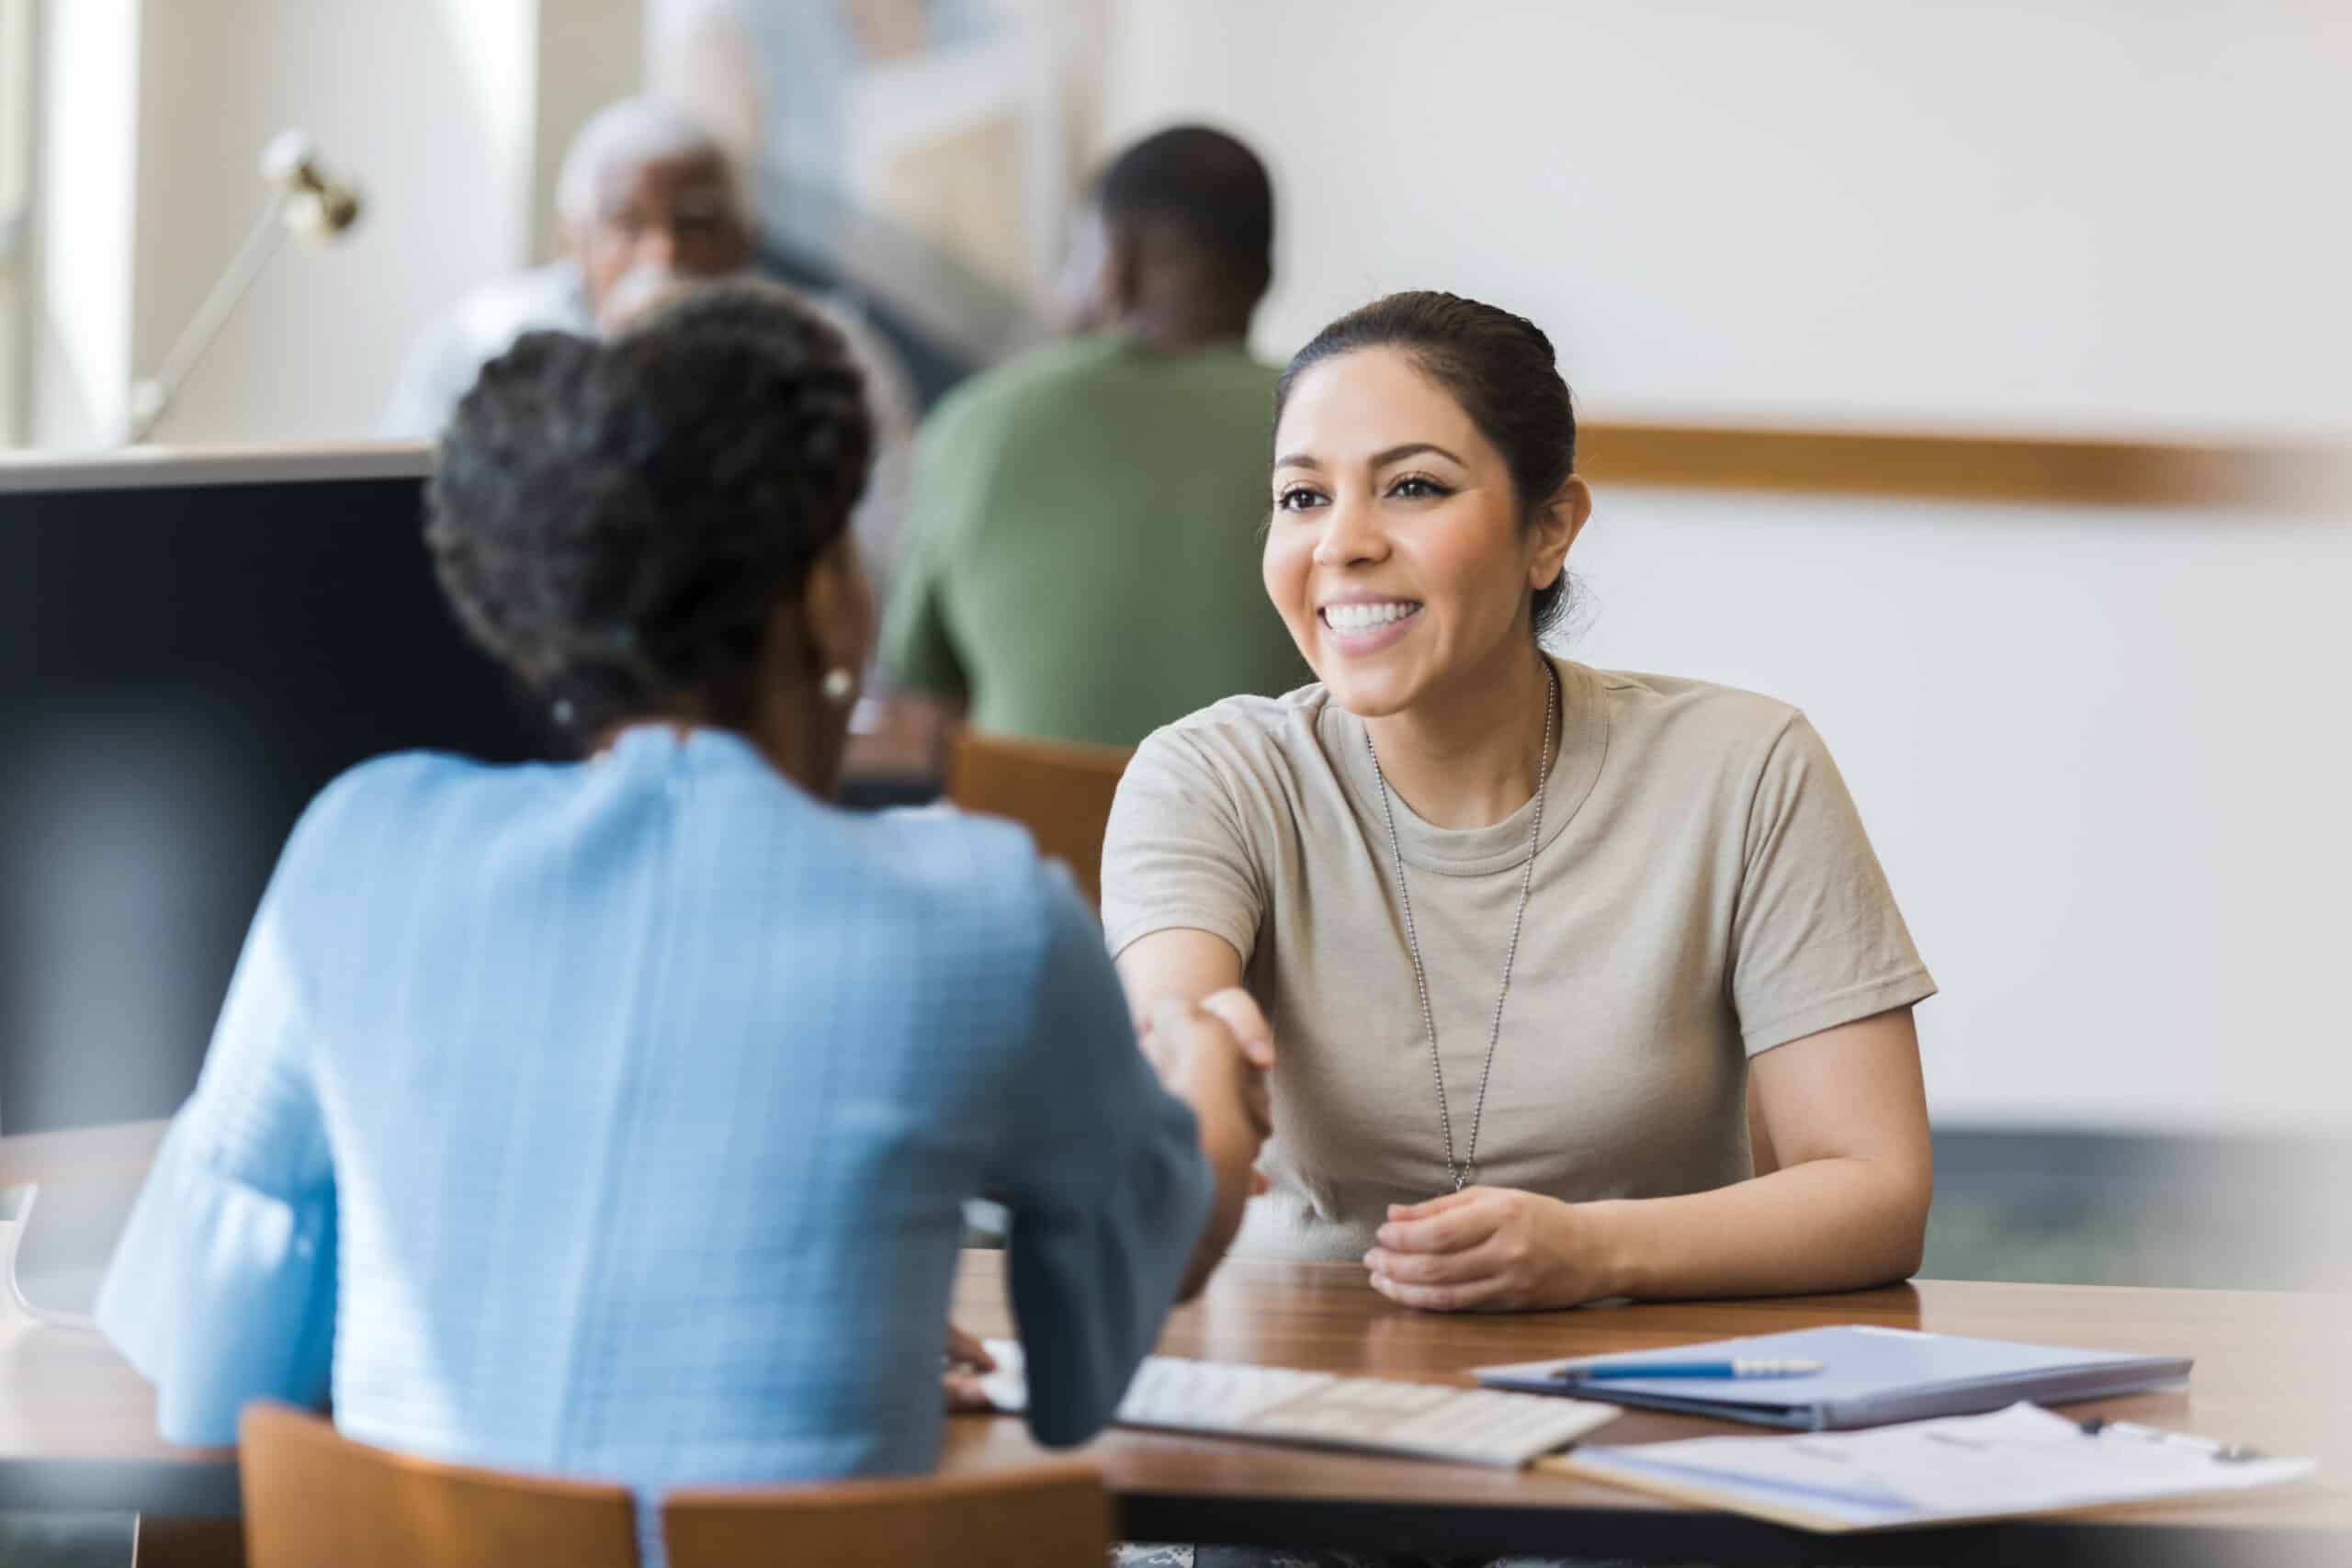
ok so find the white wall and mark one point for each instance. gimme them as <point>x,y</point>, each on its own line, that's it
<point>2103,754</point>
<point>2103,758</point>
<point>154,113</point>
<point>2095,214</point>
<point>87,141</point>
<point>426,104</point>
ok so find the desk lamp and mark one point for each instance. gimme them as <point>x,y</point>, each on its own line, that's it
<point>303,200</point>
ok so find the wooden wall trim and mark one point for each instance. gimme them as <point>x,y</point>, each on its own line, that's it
<point>1995,468</point>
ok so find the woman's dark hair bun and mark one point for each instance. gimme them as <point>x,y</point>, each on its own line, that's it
<point>617,522</point>
<point>1498,365</point>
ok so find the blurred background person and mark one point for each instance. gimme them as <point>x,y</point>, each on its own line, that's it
<point>647,204</point>
<point>1082,548</point>
<point>645,194</point>
<point>945,209</point>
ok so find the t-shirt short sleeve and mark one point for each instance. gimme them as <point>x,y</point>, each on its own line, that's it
<point>1177,854</point>
<point>1816,939</point>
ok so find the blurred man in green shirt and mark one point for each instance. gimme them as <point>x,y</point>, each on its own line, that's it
<point>1082,548</point>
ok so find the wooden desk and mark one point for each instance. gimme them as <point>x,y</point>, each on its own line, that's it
<point>2258,1380</point>
<point>77,1427</point>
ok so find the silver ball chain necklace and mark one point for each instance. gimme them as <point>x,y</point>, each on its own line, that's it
<point>1461,1172</point>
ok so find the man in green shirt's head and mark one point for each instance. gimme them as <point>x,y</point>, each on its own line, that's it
<point>1176,242</point>
<point>1082,555</point>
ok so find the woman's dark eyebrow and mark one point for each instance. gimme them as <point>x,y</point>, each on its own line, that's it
<point>1381,459</point>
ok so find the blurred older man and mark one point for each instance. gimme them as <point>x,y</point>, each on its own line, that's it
<point>645,196</point>
<point>647,204</point>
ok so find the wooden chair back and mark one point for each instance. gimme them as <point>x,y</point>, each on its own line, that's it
<point>1048,1516</point>
<point>1060,791</point>
<point>315,1498</point>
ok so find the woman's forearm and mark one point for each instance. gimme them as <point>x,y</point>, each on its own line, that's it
<point>1826,1225</point>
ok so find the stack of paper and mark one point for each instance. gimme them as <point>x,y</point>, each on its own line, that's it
<point>2023,1459</point>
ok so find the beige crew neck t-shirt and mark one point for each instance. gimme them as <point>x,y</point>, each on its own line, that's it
<point>1703,891</point>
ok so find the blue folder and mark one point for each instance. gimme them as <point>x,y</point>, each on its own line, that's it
<point>1869,1376</point>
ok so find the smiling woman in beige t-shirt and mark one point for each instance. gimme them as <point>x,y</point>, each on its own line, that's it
<point>1581,984</point>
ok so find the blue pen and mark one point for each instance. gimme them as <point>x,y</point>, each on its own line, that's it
<point>1741,1367</point>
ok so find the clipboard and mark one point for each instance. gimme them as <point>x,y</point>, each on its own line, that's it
<point>1869,1376</point>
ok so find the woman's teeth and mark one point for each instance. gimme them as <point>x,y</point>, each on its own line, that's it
<point>1365,618</point>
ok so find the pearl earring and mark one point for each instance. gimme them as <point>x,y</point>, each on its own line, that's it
<point>839,685</point>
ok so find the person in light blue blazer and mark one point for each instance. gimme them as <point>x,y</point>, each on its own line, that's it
<point>614,1118</point>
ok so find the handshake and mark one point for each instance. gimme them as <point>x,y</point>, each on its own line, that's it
<point>1214,1054</point>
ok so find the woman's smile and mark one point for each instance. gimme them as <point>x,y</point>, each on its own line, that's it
<point>1354,626</point>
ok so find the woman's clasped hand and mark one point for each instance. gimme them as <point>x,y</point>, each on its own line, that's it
<point>1491,1249</point>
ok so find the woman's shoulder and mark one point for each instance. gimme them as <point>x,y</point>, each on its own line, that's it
<point>374,795</point>
<point>945,847</point>
<point>1243,735</point>
<point>372,827</point>
<point>1677,711</point>
<point>969,878</point>
<point>1680,745</point>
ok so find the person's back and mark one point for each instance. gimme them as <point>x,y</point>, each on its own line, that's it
<point>1085,553</point>
<point>618,1105</point>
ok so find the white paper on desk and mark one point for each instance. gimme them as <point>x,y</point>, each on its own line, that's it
<point>2023,1459</point>
<point>1007,1388</point>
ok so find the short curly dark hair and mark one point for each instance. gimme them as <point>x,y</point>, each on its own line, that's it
<point>617,522</point>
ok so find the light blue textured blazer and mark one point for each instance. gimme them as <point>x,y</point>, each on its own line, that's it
<point>613,1120</point>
